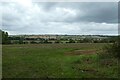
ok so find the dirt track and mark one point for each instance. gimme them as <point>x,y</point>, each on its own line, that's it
<point>81,52</point>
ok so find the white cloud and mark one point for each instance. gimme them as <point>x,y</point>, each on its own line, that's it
<point>25,3</point>
<point>32,18</point>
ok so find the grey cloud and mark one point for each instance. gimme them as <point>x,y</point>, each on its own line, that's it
<point>44,18</point>
<point>98,12</point>
<point>47,6</point>
<point>102,12</point>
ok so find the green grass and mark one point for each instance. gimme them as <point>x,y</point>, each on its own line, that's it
<point>50,60</point>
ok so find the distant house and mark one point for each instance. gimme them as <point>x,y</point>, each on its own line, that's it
<point>57,38</point>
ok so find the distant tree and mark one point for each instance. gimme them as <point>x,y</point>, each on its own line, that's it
<point>71,41</point>
<point>46,41</point>
<point>21,40</point>
<point>5,39</point>
<point>104,40</point>
<point>33,42</point>
<point>87,40</point>
<point>96,41</point>
<point>57,41</point>
<point>0,36</point>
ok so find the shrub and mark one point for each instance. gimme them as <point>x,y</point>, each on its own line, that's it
<point>111,50</point>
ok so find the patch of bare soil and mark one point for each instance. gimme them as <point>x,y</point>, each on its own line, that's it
<point>81,52</point>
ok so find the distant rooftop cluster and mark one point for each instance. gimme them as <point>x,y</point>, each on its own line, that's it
<point>59,38</point>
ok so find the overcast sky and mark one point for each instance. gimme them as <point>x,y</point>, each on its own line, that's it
<point>60,18</point>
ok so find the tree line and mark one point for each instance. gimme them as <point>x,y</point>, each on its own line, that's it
<point>21,40</point>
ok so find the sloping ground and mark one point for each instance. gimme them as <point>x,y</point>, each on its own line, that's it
<point>80,52</point>
<point>53,61</point>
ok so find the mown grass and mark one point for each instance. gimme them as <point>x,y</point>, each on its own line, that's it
<point>50,61</point>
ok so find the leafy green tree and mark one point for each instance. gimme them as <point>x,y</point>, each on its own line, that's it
<point>21,40</point>
<point>5,39</point>
<point>46,41</point>
<point>71,41</point>
<point>57,41</point>
<point>86,40</point>
<point>0,36</point>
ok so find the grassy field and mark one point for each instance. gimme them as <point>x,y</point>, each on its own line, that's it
<point>56,61</point>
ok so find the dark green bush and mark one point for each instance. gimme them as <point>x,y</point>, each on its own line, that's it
<point>111,50</point>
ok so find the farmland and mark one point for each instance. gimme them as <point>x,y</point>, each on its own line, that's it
<point>72,60</point>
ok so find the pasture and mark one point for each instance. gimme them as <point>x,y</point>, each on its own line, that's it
<point>75,60</point>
